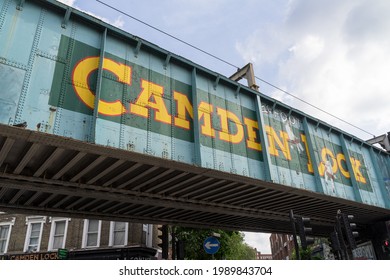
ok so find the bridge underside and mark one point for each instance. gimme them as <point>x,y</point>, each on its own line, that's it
<point>56,176</point>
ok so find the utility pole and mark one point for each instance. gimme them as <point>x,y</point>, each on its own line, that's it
<point>164,240</point>
<point>335,244</point>
<point>302,225</point>
<point>346,230</point>
<point>344,253</point>
<point>292,219</point>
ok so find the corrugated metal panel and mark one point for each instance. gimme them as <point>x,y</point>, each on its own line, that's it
<point>66,74</point>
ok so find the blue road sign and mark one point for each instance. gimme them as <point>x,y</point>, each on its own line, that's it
<point>211,245</point>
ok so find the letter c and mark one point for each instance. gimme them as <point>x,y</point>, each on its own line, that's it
<point>80,76</point>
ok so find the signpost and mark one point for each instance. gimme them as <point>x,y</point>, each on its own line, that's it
<point>211,245</point>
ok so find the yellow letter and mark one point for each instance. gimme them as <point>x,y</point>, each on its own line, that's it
<point>252,126</point>
<point>80,83</point>
<point>321,168</point>
<point>309,164</point>
<point>341,157</point>
<point>205,111</point>
<point>356,170</point>
<point>273,138</point>
<point>225,134</point>
<point>143,102</point>
<point>183,105</point>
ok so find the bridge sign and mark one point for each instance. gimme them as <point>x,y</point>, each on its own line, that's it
<point>211,245</point>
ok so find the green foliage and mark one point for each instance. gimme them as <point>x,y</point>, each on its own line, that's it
<point>232,244</point>
<point>304,254</point>
<point>309,253</point>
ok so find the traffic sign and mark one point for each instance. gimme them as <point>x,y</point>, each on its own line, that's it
<point>211,245</point>
<point>63,254</point>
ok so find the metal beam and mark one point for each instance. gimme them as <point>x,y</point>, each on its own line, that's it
<point>50,197</point>
<point>32,198</point>
<point>248,73</point>
<point>16,196</point>
<point>69,165</point>
<point>195,185</point>
<point>142,175</point>
<point>195,121</point>
<point>122,174</point>
<point>163,183</point>
<point>65,21</point>
<point>382,188</point>
<point>383,140</point>
<point>133,218</point>
<point>98,86</point>
<point>202,190</point>
<point>48,162</point>
<point>167,59</point>
<point>92,202</point>
<point>110,209</point>
<point>233,193</point>
<point>5,149</point>
<point>355,185</point>
<point>215,190</point>
<point>249,199</point>
<point>70,206</point>
<point>151,180</point>
<point>87,169</point>
<point>20,5</point>
<point>101,205</point>
<point>62,201</point>
<point>106,171</point>
<point>26,158</point>
<point>311,156</point>
<point>138,47</point>
<point>264,141</point>
<point>163,201</point>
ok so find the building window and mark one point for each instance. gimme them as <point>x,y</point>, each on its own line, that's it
<point>118,233</point>
<point>5,234</point>
<point>59,228</point>
<point>34,233</point>
<point>147,235</point>
<point>91,236</point>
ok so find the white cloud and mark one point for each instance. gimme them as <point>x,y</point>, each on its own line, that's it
<point>309,48</point>
<point>68,2</point>
<point>186,13</point>
<point>260,241</point>
<point>117,22</point>
<point>333,55</point>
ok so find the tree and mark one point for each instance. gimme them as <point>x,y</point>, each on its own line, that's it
<point>232,244</point>
<point>304,253</point>
<point>309,252</point>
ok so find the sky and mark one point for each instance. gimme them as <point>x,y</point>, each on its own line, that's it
<point>331,54</point>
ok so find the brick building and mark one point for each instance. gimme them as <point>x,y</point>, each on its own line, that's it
<point>282,246</point>
<point>37,237</point>
<point>260,256</point>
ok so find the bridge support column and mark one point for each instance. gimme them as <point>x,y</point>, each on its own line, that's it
<point>198,153</point>
<point>381,181</point>
<point>355,185</point>
<point>264,141</point>
<point>314,161</point>
<point>98,86</point>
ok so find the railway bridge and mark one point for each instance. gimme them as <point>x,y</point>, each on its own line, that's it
<point>95,122</point>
